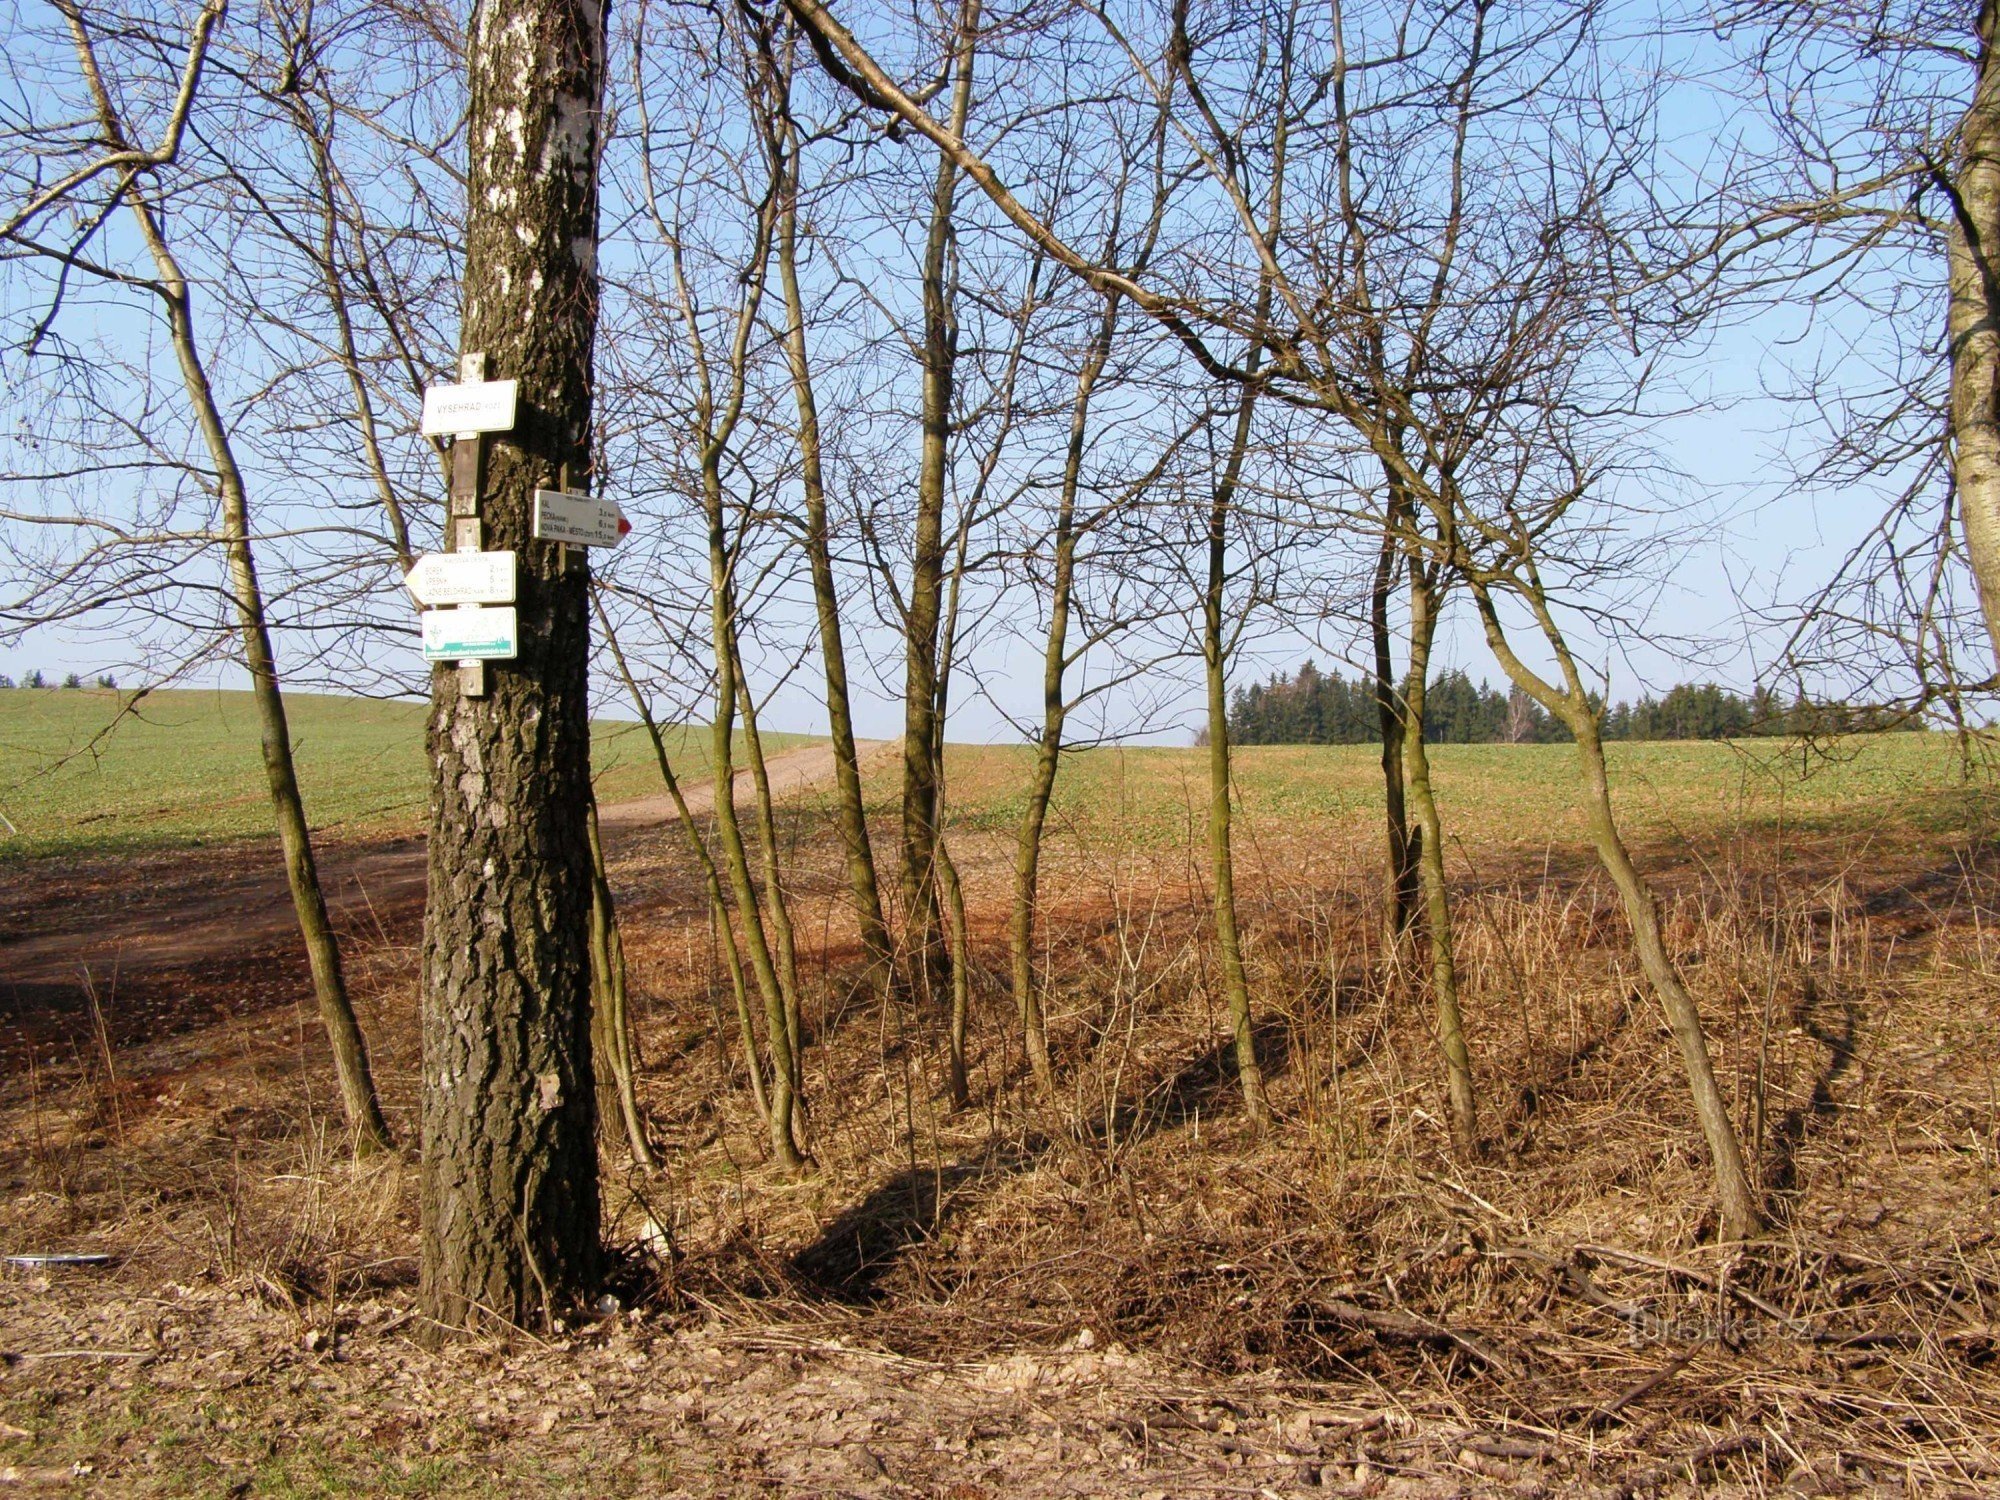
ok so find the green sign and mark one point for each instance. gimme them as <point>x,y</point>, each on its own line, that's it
<point>472,632</point>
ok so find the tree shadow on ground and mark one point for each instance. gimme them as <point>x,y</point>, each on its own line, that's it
<point>1206,1086</point>
<point>854,1255</point>
<point>1561,1076</point>
<point>1789,1134</point>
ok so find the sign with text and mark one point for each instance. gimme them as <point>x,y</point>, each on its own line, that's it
<point>563,516</point>
<point>471,632</point>
<point>475,406</point>
<point>463,578</point>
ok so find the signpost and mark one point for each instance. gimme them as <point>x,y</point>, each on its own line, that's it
<point>477,581</point>
<point>465,412</point>
<point>472,632</point>
<point>474,405</point>
<point>563,516</point>
<point>462,578</point>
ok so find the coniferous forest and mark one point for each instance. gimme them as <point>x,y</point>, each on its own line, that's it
<point>1313,707</point>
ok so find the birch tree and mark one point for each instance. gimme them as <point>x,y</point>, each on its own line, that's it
<point>510,1194</point>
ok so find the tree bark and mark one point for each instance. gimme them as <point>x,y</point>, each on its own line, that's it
<point>611,1045</point>
<point>917,877</point>
<point>1972,241</point>
<point>510,1194</point>
<point>1430,863</point>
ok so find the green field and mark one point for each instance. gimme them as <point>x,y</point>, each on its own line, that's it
<point>1516,794</point>
<point>184,769</point>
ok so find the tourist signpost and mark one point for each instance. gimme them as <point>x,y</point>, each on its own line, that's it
<point>462,578</point>
<point>472,632</point>
<point>580,520</point>
<point>467,576</point>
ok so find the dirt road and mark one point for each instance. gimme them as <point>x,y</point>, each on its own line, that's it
<point>139,930</point>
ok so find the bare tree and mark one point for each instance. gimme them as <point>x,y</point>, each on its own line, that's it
<point>117,171</point>
<point>785,148</point>
<point>713,290</point>
<point>924,602</point>
<point>1530,303</point>
<point>1868,196</point>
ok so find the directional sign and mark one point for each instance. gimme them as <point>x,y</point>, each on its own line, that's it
<point>476,406</point>
<point>463,578</point>
<point>563,516</point>
<point>470,633</point>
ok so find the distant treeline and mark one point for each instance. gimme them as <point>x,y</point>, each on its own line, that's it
<point>1324,708</point>
<point>35,679</point>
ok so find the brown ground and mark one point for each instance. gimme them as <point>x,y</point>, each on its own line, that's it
<point>1117,1295</point>
<point>144,934</point>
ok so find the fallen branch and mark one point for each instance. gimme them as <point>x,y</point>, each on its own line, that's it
<point>1700,1278</point>
<point>1650,1478</point>
<point>1639,1392</point>
<point>1410,1329</point>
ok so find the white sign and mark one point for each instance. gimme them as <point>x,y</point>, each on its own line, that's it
<point>561,516</point>
<point>477,406</point>
<point>470,633</point>
<point>463,578</point>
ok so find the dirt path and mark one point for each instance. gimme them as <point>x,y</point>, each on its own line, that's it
<point>138,930</point>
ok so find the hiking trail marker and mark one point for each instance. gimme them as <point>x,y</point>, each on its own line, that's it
<point>462,578</point>
<point>474,633</point>
<point>473,406</point>
<point>580,520</point>
<point>471,633</point>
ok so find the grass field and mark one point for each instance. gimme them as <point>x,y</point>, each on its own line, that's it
<point>1511,794</point>
<point>184,769</point>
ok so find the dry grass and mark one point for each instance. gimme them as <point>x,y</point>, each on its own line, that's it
<point>1348,1302</point>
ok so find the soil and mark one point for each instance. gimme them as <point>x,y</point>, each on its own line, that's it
<point>1121,1293</point>
<point>140,936</point>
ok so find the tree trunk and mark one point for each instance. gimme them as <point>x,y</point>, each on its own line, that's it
<point>851,809</point>
<point>510,1194</point>
<point>918,876</point>
<point>363,1110</point>
<point>1430,861</point>
<point>1399,873</point>
<point>957,1084</point>
<point>1021,920</point>
<point>952,896</point>
<point>736,859</point>
<point>718,911</point>
<point>1742,1212</point>
<point>1222,862</point>
<point>775,902</point>
<point>610,1021</point>
<point>1055,712</point>
<point>1972,241</point>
